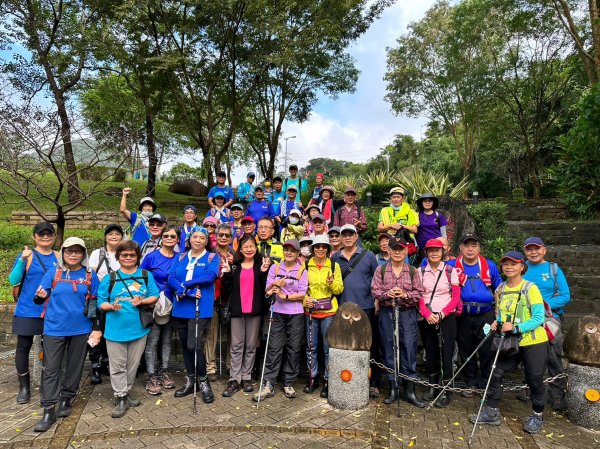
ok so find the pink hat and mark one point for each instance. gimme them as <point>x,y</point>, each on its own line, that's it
<point>321,175</point>
<point>211,220</point>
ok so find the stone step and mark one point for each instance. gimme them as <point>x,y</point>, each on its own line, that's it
<point>532,210</point>
<point>587,281</point>
<point>559,233</point>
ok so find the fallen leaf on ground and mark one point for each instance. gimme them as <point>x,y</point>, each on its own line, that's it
<point>456,423</point>
<point>411,443</point>
<point>158,402</point>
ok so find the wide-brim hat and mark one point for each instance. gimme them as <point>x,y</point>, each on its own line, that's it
<point>330,189</point>
<point>147,200</point>
<point>426,196</point>
<point>322,239</point>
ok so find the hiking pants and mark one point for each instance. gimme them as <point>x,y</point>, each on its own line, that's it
<point>163,333</point>
<point>287,335</point>
<point>432,348</point>
<point>469,335</point>
<point>534,358</point>
<point>210,346</point>
<point>555,367</point>
<point>409,336</point>
<point>124,360</point>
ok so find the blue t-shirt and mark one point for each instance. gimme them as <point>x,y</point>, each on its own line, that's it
<point>64,310</point>
<point>542,276</point>
<point>357,284</point>
<point>245,188</point>
<point>141,233</point>
<point>276,197</point>
<point>259,209</point>
<point>25,306</point>
<point>124,325</point>
<point>205,272</point>
<point>475,290</point>
<point>159,265</point>
<point>225,190</point>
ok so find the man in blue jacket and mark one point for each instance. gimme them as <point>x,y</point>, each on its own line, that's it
<point>479,278</point>
<point>260,207</point>
<point>553,286</point>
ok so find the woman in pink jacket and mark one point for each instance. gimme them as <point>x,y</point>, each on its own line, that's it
<point>439,306</point>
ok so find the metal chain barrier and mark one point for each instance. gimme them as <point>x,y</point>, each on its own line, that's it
<point>458,389</point>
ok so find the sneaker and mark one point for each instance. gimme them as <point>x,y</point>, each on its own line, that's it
<point>469,392</point>
<point>247,386</point>
<point>524,394</point>
<point>165,380</point>
<point>264,392</point>
<point>207,393</point>
<point>489,416</point>
<point>534,423</point>
<point>290,393</point>
<point>374,392</point>
<point>213,377</point>
<point>232,388</point>
<point>153,386</point>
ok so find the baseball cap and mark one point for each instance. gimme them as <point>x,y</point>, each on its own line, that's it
<point>158,217</point>
<point>348,227</point>
<point>515,256</point>
<point>250,175</point>
<point>43,226</point>
<point>399,190</point>
<point>319,216</point>
<point>397,242</point>
<point>334,229</point>
<point>350,190</point>
<point>237,206</point>
<point>219,194</point>
<point>190,207</point>
<point>114,227</point>
<point>293,187</point>
<point>248,218</point>
<point>469,236</point>
<point>312,206</point>
<point>534,241</point>
<point>296,212</point>
<point>148,200</point>
<point>221,174</point>
<point>305,239</point>
<point>259,187</point>
<point>434,243</point>
<point>293,243</point>
<point>383,235</point>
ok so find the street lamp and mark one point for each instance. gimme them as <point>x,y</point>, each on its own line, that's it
<point>285,157</point>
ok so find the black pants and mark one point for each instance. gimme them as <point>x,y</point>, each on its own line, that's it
<point>432,346</point>
<point>55,348</point>
<point>469,335</point>
<point>375,380</point>
<point>534,358</point>
<point>287,334</point>
<point>99,353</point>
<point>555,367</point>
<point>24,343</point>
<point>186,336</point>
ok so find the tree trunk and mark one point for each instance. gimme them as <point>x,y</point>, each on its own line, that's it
<point>533,177</point>
<point>60,227</point>
<point>152,157</point>
<point>65,130</point>
<point>595,23</point>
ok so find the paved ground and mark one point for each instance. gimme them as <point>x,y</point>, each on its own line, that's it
<point>305,422</point>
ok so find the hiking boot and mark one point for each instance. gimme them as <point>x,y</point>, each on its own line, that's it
<point>469,391</point>
<point>121,407</point>
<point>132,402</point>
<point>47,420</point>
<point>431,392</point>
<point>290,393</point>
<point>96,376</point>
<point>373,392</point>
<point>24,388</point>
<point>409,394</point>
<point>247,386</point>
<point>393,396</point>
<point>524,394</point>
<point>64,408</point>
<point>264,392</point>
<point>325,390</point>
<point>488,415</point>
<point>233,386</point>
<point>534,423</point>
<point>444,398</point>
<point>558,404</point>
<point>311,386</point>
<point>213,377</point>
<point>207,393</point>
<point>188,388</point>
<point>152,385</point>
<point>104,368</point>
<point>165,380</point>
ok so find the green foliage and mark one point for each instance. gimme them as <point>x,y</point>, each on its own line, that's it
<point>518,194</point>
<point>369,238</point>
<point>95,173</point>
<point>380,192</point>
<point>120,175</point>
<point>491,225</point>
<point>184,171</point>
<point>578,171</point>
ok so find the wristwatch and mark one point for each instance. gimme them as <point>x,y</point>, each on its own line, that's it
<point>287,297</point>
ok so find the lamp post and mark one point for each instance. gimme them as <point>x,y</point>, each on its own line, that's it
<point>285,157</point>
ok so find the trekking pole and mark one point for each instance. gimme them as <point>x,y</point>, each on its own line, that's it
<point>396,311</point>
<point>220,352</point>
<point>441,348</point>
<point>262,374</point>
<point>196,353</point>
<point>487,385</point>
<point>445,387</point>
<point>310,333</point>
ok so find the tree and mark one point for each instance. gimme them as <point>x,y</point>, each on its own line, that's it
<point>432,72</point>
<point>332,168</point>
<point>58,35</point>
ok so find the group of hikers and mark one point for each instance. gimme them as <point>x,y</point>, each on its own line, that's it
<point>261,257</point>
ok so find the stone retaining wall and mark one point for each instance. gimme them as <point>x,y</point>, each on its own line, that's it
<point>7,310</point>
<point>79,220</point>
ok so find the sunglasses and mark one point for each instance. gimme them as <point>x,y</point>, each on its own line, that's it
<point>169,236</point>
<point>128,256</point>
<point>224,235</point>
<point>210,225</point>
<point>45,234</point>
<point>155,225</point>
<point>320,246</point>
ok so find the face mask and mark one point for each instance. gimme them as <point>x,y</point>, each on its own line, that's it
<point>294,220</point>
<point>305,251</point>
<point>147,213</point>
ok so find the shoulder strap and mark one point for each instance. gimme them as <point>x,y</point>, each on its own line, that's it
<point>383,268</point>
<point>102,259</point>
<point>57,277</point>
<point>39,259</point>
<point>358,210</point>
<point>113,281</point>
<point>412,270</point>
<point>525,290</point>
<point>346,273</point>
<point>554,275</point>
<point>145,277</point>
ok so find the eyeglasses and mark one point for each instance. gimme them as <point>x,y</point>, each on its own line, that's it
<point>169,236</point>
<point>319,246</point>
<point>155,225</point>
<point>128,256</point>
<point>210,225</point>
<point>224,235</point>
<point>265,227</point>
<point>76,251</point>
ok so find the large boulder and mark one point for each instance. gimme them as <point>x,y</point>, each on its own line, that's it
<point>189,187</point>
<point>582,342</point>
<point>459,220</point>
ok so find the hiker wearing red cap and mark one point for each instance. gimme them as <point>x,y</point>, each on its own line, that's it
<point>316,193</point>
<point>438,306</point>
<point>520,317</point>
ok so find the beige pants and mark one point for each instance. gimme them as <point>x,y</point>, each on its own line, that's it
<point>244,340</point>
<point>210,346</point>
<point>124,359</point>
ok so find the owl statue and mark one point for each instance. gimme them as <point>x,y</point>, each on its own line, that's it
<point>350,329</point>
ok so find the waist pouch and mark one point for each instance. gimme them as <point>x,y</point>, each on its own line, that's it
<point>323,304</point>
